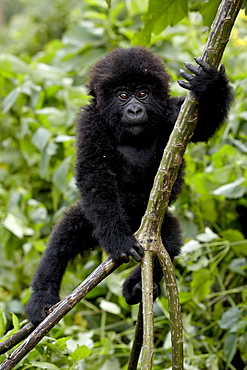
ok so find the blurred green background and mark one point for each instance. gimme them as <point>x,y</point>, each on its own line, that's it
<point>46,50</point>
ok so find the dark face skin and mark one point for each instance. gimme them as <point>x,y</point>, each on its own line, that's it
<point>132,105</point>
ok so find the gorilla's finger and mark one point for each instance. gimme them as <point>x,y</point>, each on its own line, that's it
<point>135,255</point>
<point>138,248</point>
<point>124,258</point>
<point>205,66</point>
<point>222,70</point>
<point>185,85</point>
<point>192,68</point>
<point>186,75</point>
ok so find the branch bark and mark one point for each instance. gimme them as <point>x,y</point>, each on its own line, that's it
<point>16,338</point>
<point>149,231</point>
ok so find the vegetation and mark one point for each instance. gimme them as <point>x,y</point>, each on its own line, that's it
<point>47,49</point>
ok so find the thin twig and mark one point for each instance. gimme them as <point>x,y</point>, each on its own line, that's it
<point>147,266</point>
<point>174,308</point>
<point>64,306</point>
<point>137,341</point>
<point>16,338</point>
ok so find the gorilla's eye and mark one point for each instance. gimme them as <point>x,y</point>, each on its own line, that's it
<point>142,94</point>
<point>123,96</point>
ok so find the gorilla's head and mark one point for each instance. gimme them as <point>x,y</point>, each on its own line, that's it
<point>130,88</point>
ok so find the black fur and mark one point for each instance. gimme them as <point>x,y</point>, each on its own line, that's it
<point>121,136</point>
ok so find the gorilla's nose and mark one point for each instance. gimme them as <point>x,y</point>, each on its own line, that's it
<point>135,111</point>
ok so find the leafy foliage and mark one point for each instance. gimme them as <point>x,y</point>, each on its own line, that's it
<point>47,49</point>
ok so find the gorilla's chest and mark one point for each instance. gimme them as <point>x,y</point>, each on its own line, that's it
<point>138,164</point>
<point>142,158</point>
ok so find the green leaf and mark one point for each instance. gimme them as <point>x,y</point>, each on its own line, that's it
<point>110,364</point>
<point>201,263</point>
<point>29,152</point>
<point>32,90</point>
<point>237,265</point>
<point>3,322</point>
<point>44,365</point>
<point>46,72</point>
<point>60,175</point>
<point>161,14</point>
<point>28,88</point>
<point>78,38</point>
<point>40,138</point>
<point>44,165</point>
<point>232,190</point>
<point>16,226</point>
<point>11,65</point>
<point>207,236</point>
<point>10,99</point>
<point>63,138</point>
<point>61,343</point>
<point>83,339</point>
<point>51,148</point>
<point>80,353</point>
<point>15,322</point>
<point>229,318</point>
<point>110,307</point>
<point>230,347</point>
<point>239,145</point>
<point>209,10</point>
<point>244,6</point>
<point>114,284</point>
<point>191,246</point>
<point>201,283</point>
<point>232,235</point>
<point>237,239</point>
<point>108,2</point>
<point>55,116</point>
<point>208,209</point>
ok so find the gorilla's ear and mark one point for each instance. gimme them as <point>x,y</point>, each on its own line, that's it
<point>93,94</point>
<point>91,89</point>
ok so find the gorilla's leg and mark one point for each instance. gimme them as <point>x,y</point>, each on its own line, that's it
<point>70,237</point>
<point>171,235</point>
<point>172,240</point>
<point>132,287</point>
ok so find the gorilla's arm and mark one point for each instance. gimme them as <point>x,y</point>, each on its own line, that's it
<point>214,95</point>
<point>97,168</point>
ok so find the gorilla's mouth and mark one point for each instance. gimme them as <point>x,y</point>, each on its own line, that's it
<point>135,125</point>
<point>136,129</point>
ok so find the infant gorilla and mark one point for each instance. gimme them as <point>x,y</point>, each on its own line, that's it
<point>121,136</point>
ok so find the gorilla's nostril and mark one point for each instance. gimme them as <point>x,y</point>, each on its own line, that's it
<point>135,111</point>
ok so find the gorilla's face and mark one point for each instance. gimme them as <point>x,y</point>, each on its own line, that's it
<point>132,106</point>
<point>132,112</point>
<point>130,90</point>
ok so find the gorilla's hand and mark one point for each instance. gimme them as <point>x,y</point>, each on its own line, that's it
<point>204,78</point>
<point>128,246</point>
<point>39,303</point>
<point>133,293</point>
